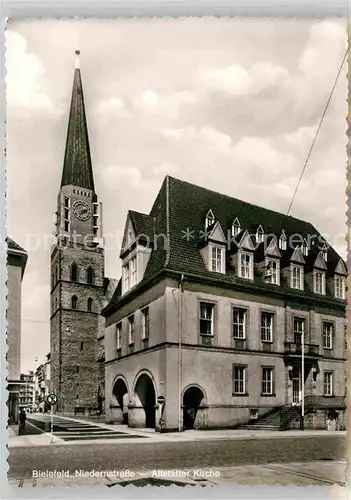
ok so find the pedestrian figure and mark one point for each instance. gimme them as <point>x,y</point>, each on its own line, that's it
<point>22,420</point>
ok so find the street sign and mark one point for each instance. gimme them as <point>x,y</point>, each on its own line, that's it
<point>161,400</point>
<point>51,399</point>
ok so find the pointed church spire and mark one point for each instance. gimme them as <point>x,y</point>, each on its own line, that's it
<point>77,168</point>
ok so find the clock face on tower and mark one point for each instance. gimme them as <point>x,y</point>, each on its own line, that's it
<point>81,210</point>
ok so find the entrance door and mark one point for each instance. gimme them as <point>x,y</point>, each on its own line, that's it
<point>296,385</point>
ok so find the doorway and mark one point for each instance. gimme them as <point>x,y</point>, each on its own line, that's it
<point>296,385</point>
<point>192,399</point>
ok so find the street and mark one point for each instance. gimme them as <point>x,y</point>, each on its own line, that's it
<point>70,430</point>
<point>173,455</point>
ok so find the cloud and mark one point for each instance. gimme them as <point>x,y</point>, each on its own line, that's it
<point>121,177</point>
<point>238,81</point>
<point>113,106</point>
<point>167,105</point>
<point>23,77</point>
<point>166,169</point>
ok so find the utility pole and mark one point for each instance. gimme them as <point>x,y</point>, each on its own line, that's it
<point>302,379</point>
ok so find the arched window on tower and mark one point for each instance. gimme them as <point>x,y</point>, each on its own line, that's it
<point>74,302</point>
<point>74,272</point>
<point>90,304</point>
<point>90,275</point>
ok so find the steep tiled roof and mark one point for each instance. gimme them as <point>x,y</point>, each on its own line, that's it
<point>179,213</point>
<point>143,224</point>
<point>12,245</point>
<point>77,168</point>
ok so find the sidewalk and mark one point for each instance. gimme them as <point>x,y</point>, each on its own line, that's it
<point>190,435</point>
<point>299,474</point>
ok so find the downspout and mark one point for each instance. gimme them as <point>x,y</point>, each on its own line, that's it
<point>180,328</point>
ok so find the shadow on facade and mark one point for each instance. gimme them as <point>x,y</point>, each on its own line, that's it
<point>145,392</point>
<point>120,391</point>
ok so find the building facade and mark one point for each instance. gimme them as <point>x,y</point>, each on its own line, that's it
<point>16,264</point>
<point>27,391</point>
<point>229,311</point>
<point>42,385</point>
<point>78,284</point>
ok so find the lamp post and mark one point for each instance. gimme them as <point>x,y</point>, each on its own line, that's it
<point>302,379</point>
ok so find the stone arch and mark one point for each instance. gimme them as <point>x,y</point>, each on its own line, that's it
<point>193,399</point>
<point>74,272</point>
<point>74,302</point>
<point>90,304</point>
<point>90,275</point>
<point>120,391</point>
<point>145,398</point>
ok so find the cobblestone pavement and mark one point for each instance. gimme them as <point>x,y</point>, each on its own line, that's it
<point>152,454</point>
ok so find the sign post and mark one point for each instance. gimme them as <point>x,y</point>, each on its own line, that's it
<point>161,401</point>
<point>51,400</point>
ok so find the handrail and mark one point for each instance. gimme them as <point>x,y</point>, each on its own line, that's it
<point>289,413</point>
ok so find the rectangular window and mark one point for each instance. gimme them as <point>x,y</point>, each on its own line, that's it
<point>131,330</point>
<point>328,329</point>
<point>217,259</point>
<point>206,318</point>
<point>145,323</point>
<point>119,336</point>
<point>299,329</point>
<point>133,272</point>
<point>328,384</point>
<point>273,272</point>
<point>66,225</point>
<point>239,379</point>
<point>66,202</point>
<point>126,277</point>
<point>95,208</point>
<point>340,287</point>
<point>267,380</point>
<point>239,323</point>
<point>297,277</point>
<point>246,266</point>
<point>319,282</point>
<point>267,327</point>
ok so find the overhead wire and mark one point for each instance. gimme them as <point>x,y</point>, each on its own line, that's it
<point>317,131</point>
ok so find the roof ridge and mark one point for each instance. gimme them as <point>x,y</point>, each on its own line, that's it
<point>239,200</point>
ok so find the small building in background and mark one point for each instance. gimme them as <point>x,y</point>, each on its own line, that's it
<point>26,394</point>
<point>16,264</point>
<point>42,384</point>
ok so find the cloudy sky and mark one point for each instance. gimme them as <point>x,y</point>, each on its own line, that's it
<point>232,105</point>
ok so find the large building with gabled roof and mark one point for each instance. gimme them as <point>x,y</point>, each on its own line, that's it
<point>217,301</point>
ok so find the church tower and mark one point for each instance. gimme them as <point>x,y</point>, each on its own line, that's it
<point>77,272</point>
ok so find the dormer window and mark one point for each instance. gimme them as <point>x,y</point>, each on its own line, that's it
<point>126,277</point>
<point>130,274</point>
<point>217,259</point>
<point>236,228</point>
<point>245,265</point>
<point>319,282</point>
<point>272,272</point>
<point>304,248</point>
<point>260,235</point>
<point>297,277</point>
<point>339,287</point>
<point>129,237</point>
<point>210,219</point>
<point>283,241</point>
<point>325,253</point>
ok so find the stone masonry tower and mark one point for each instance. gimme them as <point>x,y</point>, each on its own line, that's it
<point>77,272</point>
